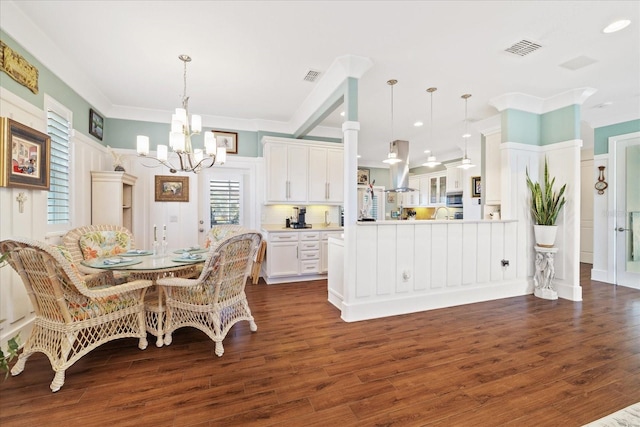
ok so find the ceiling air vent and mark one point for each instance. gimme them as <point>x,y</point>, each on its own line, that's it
<point>523,47</point>
<point>311,76</point>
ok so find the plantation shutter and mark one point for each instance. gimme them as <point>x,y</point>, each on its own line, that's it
<point>224,196</point>
<point>58,207</point>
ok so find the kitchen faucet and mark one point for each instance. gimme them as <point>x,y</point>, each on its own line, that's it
<point>435,214</point>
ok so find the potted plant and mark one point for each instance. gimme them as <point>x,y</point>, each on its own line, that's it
<point>545,207</point>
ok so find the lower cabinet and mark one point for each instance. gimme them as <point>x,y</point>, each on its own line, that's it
<point>324,252</point>
<point>296,255</point>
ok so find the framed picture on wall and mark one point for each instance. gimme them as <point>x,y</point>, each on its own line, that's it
<point>25,154</point>
<point>229,140</point>
<point>170,188</point>
<point>476,186</point>
<point>363,176</point>
<point>96,124</point>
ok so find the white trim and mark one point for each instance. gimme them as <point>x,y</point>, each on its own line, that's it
<point>533,104</point>
<point>353,312</point>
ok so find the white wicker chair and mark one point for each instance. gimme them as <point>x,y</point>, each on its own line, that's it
<point>216,300</point>
<point>72,317</point>
<point>122,241</point>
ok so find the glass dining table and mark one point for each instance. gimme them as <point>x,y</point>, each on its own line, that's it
<point>140,264</point>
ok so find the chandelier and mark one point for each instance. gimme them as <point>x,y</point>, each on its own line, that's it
<point>466,162</point>
<point>431,160</point>
<point>392,157</point>
<point>191,160</point>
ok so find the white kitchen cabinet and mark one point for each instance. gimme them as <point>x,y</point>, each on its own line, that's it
<point>112,198</point>
<point>424,190</point>
<point>324,248</point>
<point>302,171</point>
<point>412,198</point>
<point>438,189</point>
<point>282,254</point>
<point>286,172</point>
<point>309,252</point>
<point>326,175</point>
<point>454,177</point>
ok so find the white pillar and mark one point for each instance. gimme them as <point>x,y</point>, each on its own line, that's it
<point>350,140</point>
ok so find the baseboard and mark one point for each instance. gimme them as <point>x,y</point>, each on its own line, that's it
<point>600,276</point>
<point>353,312</point>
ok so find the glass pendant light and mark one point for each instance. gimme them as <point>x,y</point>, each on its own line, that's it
<point>466,162</point>
<point>392,157</point>
<point>431,160</point>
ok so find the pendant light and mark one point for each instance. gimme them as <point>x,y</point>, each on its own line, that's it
<point>392,157</point>
<point>431,160</point>
<point>466,162</point>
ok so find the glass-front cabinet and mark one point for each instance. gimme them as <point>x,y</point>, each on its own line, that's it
<point>438,189</point>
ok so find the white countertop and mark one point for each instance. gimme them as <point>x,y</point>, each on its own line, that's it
<point>432,221</point>
<point>314,227</point>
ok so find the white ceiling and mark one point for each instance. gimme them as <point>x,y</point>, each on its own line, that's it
<point>249,60</point>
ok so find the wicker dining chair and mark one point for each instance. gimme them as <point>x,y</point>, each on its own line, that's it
<point>97,241</point>
<point>72,317</point>
<point>216,300</point>
<point>221,231</point>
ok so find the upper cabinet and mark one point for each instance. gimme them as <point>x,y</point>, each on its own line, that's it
<point>302,171</point>
<point>454,177</point>
<point>326,176</point>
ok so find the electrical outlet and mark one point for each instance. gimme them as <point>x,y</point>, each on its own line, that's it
<point>505,262</point>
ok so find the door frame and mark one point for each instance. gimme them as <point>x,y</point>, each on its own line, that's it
<point>614,179</point>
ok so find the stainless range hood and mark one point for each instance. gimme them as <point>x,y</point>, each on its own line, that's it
<point>399,171</point>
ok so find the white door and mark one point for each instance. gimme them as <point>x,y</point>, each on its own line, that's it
<point>222,199</point>
<point>627,167</point>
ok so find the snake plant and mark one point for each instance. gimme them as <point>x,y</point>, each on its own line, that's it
<point>545,203</point>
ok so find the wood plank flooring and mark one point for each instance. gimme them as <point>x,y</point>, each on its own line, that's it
<point>520,361</point>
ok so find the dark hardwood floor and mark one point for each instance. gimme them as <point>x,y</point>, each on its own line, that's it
<point>517,362</point>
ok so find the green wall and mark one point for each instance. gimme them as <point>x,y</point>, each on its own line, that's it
<point>560,125</point>
<point>555,126</point>
<point>520,126</point>
<point>602,134</point>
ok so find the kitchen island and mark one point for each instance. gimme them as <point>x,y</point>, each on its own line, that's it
<point>399,267</point>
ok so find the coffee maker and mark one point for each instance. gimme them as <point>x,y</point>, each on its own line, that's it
<point>299,220</point>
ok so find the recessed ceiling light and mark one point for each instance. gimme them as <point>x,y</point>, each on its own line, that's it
<point>358,156</point>
<point>418,124</point>
<point>616,26</point>
<point>427,151</point>
<point>342,114</point>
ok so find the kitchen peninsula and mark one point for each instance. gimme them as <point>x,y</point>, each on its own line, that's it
<point>409,266</point>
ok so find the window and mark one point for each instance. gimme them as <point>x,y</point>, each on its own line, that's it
<point>224,196</point>
<point>58,206</point>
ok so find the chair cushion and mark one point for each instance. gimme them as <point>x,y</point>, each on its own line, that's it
<point>100,244</point>
<point>67,255</point>
<point>220,232</point>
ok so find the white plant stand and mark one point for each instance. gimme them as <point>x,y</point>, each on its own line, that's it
<point>545,273</point>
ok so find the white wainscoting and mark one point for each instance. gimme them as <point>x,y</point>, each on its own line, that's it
<point>410,266</point>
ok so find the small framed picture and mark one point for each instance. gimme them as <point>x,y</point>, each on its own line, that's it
<point>25,154</point>
<point>391,197</point>
<point>229,140</point>
<point>172,188</point>
<point>363,176</point>
<point>96,124</point>
<point>476,186</point>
